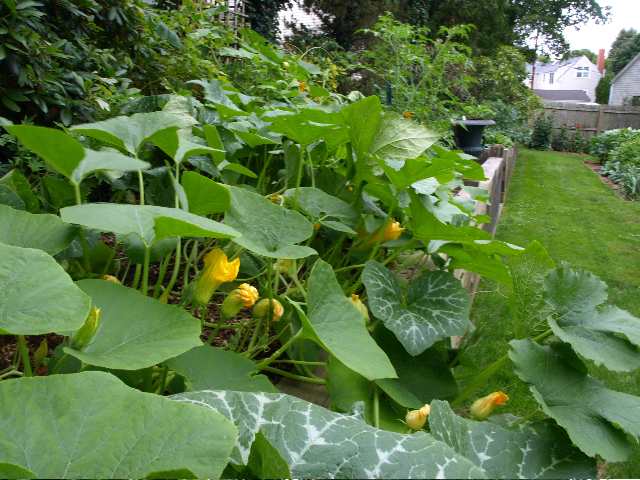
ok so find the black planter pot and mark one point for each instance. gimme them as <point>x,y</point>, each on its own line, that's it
<point>468,135</point>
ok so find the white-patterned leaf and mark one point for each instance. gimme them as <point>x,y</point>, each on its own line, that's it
<point>318,443</point>
<point>532,450</point>
<point>437,306</point>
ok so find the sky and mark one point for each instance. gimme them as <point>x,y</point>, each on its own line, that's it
<point>624,14</point>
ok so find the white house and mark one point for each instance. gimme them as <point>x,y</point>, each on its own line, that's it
<point>296,14</point>
<point>625,87</point>
<point>571,76</point>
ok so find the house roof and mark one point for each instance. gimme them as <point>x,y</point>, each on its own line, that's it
<point>626,67</point>
<point>552,67</point>
<point>563,95</point>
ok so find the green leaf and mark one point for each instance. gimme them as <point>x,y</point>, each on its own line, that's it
<point>427,227</point>
<point>147,104</point>
<point>9,470</point>
<point>21,186</point>
<point>300,130</point>
<point>57,148</point>
<point>267,229</point>
<point>596,418</point>
<point>472,259</point>
<point>363,119</point>
<point>228,111</point>
<point>527,271</point>
<point>150,223</point>
<point>421,378</point>
<point>317,443</point>
<point>129,134</point>
<point>265,461</point>
<point>252,139</point>
<point>169,35</point>
<point>213,139</point>
<point>135,331</point>
<point>95,161</point>
<point>183,148</point>
<point>345,387</point>
<point>210,368</point>
<point>179,473</point>
<point>412,170</point>
<point>335,323</point>
<point>437,306</point>
<point>57,194</point>
<point>44,232</point>
<point>10,198</point>
<point>401,139</point>
<point>37,295</point>
<point>468,167</point>
<point>93,426</point>
<point>204,195</point>
<point>319,204</point>
<point>592,332</point>
<point>534,450</point>
<point>135,249</point>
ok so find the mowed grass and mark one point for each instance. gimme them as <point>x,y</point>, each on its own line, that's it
<point>557,200</point>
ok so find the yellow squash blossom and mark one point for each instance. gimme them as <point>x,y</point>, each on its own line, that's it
<point>416,419</point>
<point>244,295</point>
<point>217,270</point>
<point>408,115</point>
<point>111,278</point>
<point>355,299</point>
<point>482,408</point>
<point>303,86</point>
<point>391,232</point>
<point>261,309</point>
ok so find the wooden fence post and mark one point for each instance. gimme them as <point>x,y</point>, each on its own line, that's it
<point>600,121</point>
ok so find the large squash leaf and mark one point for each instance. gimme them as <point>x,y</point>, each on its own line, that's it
<point>267,229</point>
<point>36,294</point>
<point>44,232</point>
<point>318,443</point>
<point>578,402</point>
<point>532,450</point>
<point>334,323</point>
<point>135,331</point>
<point>90,425</point>
<point>437,306</point>
<point>592,332</point>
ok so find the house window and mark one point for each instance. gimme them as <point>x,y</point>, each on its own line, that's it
<point>582,72</point>
<point>544,78</point>
<point>551,79</point>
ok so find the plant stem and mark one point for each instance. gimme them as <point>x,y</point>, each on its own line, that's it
<point>267,361</point>
<point>480,380</point>
<point>319,381</point>
<point>163,380</point>
<point>141,186</point>
<point>526,418</point>
<point>299,179</point>
<point>12,372</point>
<point>376,405</point>
<point>215,330</point>
<point>25,356</point>
<point>163,272</point>
<point>302,362</point>
<point>59,364</point>
<point>145,276</point>
<point>136,277</point>
<point>398,251</point>
<point>176,267</point>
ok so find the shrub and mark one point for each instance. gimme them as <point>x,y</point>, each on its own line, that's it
<point>627,152</point>
<point>578,142</point>
<point>503,140</point>
<point>625,175</point>
<point>561,139</point>
<point>603,145</point>
<point>510,121</point>
<point>542,135</point>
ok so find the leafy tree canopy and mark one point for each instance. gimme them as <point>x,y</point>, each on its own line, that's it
<point>593,58</point>
<point>623,49</point>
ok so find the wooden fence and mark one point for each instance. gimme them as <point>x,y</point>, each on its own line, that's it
<point>594,119</point>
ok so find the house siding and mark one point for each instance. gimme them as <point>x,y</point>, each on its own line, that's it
<point>565,77</point>
<point>627,85</point>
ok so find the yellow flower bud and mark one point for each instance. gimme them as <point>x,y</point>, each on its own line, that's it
<point>369,240</point>
<point>408,115</point>
<point>164,298</point>
<point>244,295</point>
<point>482,408</point>
<point>40,354</point>
<point>364,311</point>
<point>82,337</point>
<point>217,270</point>
<point>261,309</point>
<point>111,278</point>
<point>416,419</point>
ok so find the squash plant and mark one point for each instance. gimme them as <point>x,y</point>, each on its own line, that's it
<point>318,205</point>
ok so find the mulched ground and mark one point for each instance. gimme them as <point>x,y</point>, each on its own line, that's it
<point>618,189</point>
<point>8,343</point>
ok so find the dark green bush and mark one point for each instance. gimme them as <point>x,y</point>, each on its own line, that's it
<point>578,142</point>
<point>561,139</point>
<point>604,144</point>
<point>542,135</point>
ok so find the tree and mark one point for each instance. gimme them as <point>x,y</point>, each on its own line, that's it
<point>593,58</point>
<point>623,49</point>
<point>603,89</point>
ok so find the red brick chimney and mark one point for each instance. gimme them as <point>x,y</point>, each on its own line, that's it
<point>601,61</point>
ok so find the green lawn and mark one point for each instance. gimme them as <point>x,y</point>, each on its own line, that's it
<point>556,199</point>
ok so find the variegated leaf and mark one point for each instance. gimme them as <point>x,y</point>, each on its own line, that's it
<point>318,443</point>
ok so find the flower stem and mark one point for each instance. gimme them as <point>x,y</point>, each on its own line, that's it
<point>25,356</point>
<point>480,380</point>
<point>319,381</point>
<point>376,405</point>
<point>267,361</point>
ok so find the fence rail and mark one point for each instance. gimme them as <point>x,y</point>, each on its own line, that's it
<point>594,119</point>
